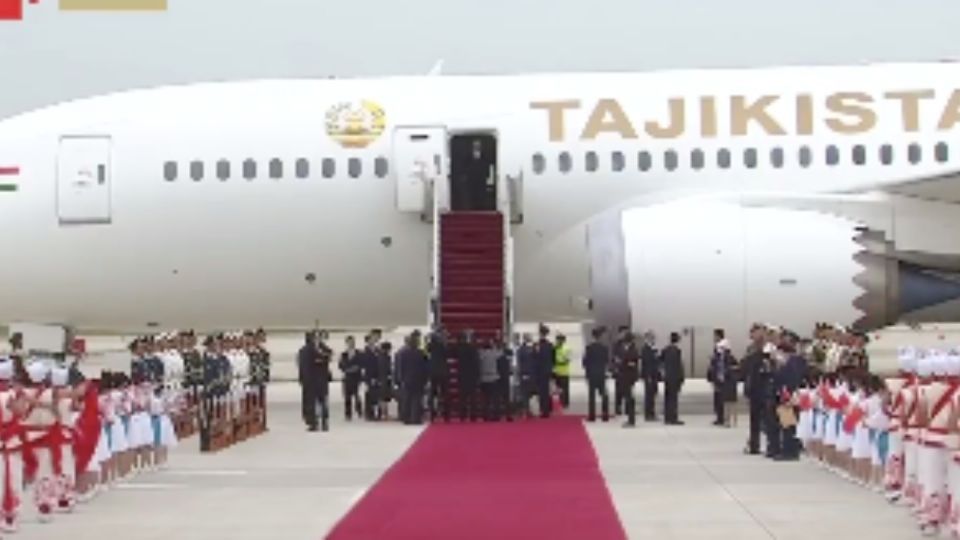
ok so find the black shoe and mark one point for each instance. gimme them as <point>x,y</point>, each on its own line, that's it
<point>311,428</point>
<point>674,423</point>
<point>591,419</point>
<point>650,418</point>
<point>785,457</point>
<point>605,419</point>
<point>629,425</point>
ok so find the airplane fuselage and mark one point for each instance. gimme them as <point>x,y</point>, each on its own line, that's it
<point>275,202</point>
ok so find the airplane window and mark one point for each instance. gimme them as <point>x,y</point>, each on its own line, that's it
<point>353,167</point>
<point>249,169</point>
<point>276,169</point>
<point>566,162</point>
<point>750,158</point>
<point>644,161</point>
<point>539,163</point>
<point>697,159</point>
<point>886,154</point>
<point>723,158</point>
<point>592,162</point>
<point>805,158</point>
<point>833,155</point>
<point>223,169</point>
<point>859,154</point>
<point>941,151</point>
<point>617,162</point>
<point>914,153</point>
<point>380,167</point>
<point>328,167</point>
<point>670,160</point>
<point>776,157</point>
<point>170,171</point>
<point>196,171</point>
<point>302,168</point>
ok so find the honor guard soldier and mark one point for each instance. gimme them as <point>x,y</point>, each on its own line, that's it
<point>596,362</point>
<point>259,359</point>
<point>192,360</point>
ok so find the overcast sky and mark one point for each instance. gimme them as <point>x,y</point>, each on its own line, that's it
<point>53,56</point>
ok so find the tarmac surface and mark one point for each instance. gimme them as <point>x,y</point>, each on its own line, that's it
<point>685,482</point>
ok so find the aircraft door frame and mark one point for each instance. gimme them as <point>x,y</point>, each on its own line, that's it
<point>84,180</point>
<point>419,155</point>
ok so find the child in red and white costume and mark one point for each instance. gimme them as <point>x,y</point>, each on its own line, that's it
<point>11,446</point>
<point>893,473</point>
<point>911,433</point>
<point>935,410</point>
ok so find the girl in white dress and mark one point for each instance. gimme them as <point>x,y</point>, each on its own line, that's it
<point>860,450</point>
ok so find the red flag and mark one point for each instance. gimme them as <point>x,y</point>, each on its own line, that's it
<point>11,10</point>
<point>853,418</point>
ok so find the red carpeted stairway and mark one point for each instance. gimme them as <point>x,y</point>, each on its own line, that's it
<point>471,273</point>
<point>490,481</point>
<point>471,278</point>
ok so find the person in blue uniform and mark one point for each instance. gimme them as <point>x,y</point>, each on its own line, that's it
<point>596,363</point>
<point>545,355</point>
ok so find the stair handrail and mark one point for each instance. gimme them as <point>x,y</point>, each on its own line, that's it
<point>505,207</point>
<point>439,187</point>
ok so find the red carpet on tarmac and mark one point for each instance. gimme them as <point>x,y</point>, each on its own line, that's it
<point>532,479</point>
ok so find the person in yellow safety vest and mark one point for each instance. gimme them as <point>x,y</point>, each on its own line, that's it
<point>561,370</point>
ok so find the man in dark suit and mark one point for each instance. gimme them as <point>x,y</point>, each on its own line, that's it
<point>412,364</point>
<point>673,377</point>
<point>650,373</point>
<point>787,380</point>
<point>437,350</point>
<point>545,356</point>
<point>628,373</point>
<point>308,362</point>
<point>468,375</point>
<point>596,362</point>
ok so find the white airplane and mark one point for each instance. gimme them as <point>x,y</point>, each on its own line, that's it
<point>289,203</point>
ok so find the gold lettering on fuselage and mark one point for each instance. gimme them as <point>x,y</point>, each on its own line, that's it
<point>741,114</point>
<point>555,110</point>
<point>910,106</point>
<point>851,104</point>
<point>804,114</point>
<point>675,124</point>
<point>951,112</point>
<point>849,112</point>
<point>608,117</point>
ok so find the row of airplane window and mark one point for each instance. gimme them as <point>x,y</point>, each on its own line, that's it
<point>832,155</point>
<point>249,169</point>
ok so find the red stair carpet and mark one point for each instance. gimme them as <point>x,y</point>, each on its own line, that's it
<point>531,480</point>
<point>471,273</point>
<point>471,279</point>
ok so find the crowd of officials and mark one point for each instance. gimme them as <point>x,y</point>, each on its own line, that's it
<point>777,363</point>
<point>442,376</point>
